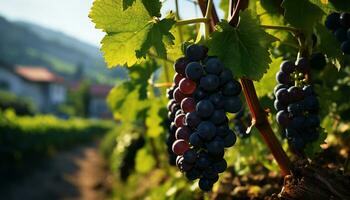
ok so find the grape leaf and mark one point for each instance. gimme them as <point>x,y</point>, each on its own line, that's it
<point>244,49</point>
<point>268,82</point>
<point>153,120</point>
<point>295,9</point>
<point>132,32</point>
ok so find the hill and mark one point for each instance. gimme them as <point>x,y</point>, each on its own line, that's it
<point>29,44</point>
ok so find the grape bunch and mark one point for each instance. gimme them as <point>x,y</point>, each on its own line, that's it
<point>296,104</point>
<point>339,24</point>
<point>172,108</point>
<point>203,92</point>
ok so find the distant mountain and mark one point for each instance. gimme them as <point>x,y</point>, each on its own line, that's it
<point>29,44</point>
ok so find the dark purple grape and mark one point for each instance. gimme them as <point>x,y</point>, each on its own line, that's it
<point>180,147</point>
<point>180,65</point>
<point>287,66</point>
<point>193,174</point>
<point>205,184</point>
<point>170,104</point>
<point>283,78</point>
<point>194,71</point>
<point>295,109</point>
<point>217,100</point>
<point>278,87</point>
<point>333,21</point>
<point>302,64</point>
<point>232,88</point>
<point>196,52</point>
<point>233,104</point>
<point>190,156</point>
<point>345,20</point>
<point>196,141</point>
<point>192,119</point>
<point>298,123</point>
<point>203,161</point>
<point>209,82</point>
<point>279,106</point>
<point>199,94</point>
<point>218,117</point>
<point>183,133</point>
<point>282,118</point>
<point>213,66</point>
<point>216,146</point>
<point>204,108</point>
<point>206,130</point>
<point>297,143</point>
<point>345,47</point>
<point>308,90</point>
<point>290,132</point>
<point>282,96</point>
<point>313,120</point>
<point>296,93</point>
<point>341,34</point>
<point>230,139</point>
<point>225,76</point>
<point>311,103</point>
<point>222,130</point>
<point>220,166</point>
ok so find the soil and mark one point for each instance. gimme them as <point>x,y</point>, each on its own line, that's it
<point>79,173</point>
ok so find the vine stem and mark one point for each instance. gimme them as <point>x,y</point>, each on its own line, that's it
<point>282,28</point>
<point>259,115</point>
<point>191,21</point>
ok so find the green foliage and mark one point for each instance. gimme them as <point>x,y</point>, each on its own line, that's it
<point>310,13</point>
<point>132,32</point>
<point>244,49</point>
<point>21,106</point>
<point>27,139</point>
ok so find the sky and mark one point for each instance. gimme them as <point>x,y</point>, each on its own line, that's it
<point>70,16</point>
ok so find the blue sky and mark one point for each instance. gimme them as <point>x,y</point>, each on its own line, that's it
<point>69,16</point>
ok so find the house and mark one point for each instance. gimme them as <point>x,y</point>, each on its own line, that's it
<point>98,106</point>
<point>46,89</point>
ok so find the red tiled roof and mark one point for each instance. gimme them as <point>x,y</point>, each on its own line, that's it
<point>37,74</point>
<point>100,90</point>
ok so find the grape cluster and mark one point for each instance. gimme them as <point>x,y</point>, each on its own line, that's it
<point>339,24</point>
<point>172,108</point>
<point>203,92</point>
<point>297,104</point>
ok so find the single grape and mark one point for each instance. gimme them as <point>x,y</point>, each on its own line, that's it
<point>232,88</point>
<point>302,64</point>
<point>282,118</point>
<point>287,66</point>
<point>220,166</point>
<point>333,21</point>
<point>178,95</point>
<point>216,146</point>
<point>218,117</point>
<point>177,78</point>
<point>217,100</point>
<point>283,78</point>
<point>193,174</point>
<point>341,34</point>
<point>225,76</point>
<point>180,147</point>
<point>170,104</point>
<point>174,108</point>
<point>184,166</point>
<point>209,173</point>
<point>308,90</point>
<point>297,143</point>
<point>188,104</point>
<point>209,82</point>
<point>195,52</point>
<point>230,139</point>
<point>282,95</point>
<point>194,71</point>
<point>278,87</point>
<point>199,94</point>
<point>213,66</point>
<point>296,93</point>
<point>203,161</point>
<point>311,103</point>
<point>180,65</point>
<point>187,86</point>
<point>291,133</point>
<point>222,130</point>
<point>205,184</point>
<point>298,123</point>
<point>279,106</point>
<point>204,108</point>
<point>183,133</point>
<point>179,120</point>
<point>206,130</point>
<point>295,108</point>
<point>179,112</point>
<point>192,119</point>
<point>233,104</point>
<point>190,156</point>
<point>196,141</point>
<point>345,19</point>
<point>345,47</point>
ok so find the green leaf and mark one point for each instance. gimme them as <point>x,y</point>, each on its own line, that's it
<point>330,6</point>
<point>132,32</point>
<point>144,161</point>
<point>302,14</point>
<point>244,49</point>
<point>268,82</point>
<point>153,7</point>
<point>127,4</point>
<point>153,120</point>
<point>157,34</point>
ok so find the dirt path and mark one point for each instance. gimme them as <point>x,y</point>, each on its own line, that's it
<point>76,174</point>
